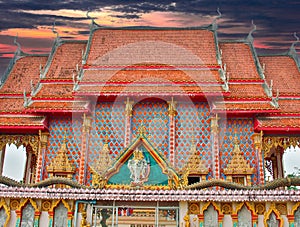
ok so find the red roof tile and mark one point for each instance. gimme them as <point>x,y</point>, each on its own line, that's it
<point>25,70</point>
<point>239,61</point>
<point>165,46</point>
<point>210,76</point>
<point>148,89</point>
<point>55,91</point>
<point>278,122</point>
<point>249,91</point>
<point>284,73</point>
<point>48,106</point>
<point>11,105</point>
<point>289,106</point>
<point>243,106</point>
<point>22,120</point>
<point>65,59</point>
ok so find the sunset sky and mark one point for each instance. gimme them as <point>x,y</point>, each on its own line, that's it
<point>32,20</point>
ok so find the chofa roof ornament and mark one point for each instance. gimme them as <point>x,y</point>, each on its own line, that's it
<point>250,37</point>
<point>54,30</point>
<point>214,23</point>
<point>292,51</point>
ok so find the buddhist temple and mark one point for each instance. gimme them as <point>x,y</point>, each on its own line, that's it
<point>150,127</point>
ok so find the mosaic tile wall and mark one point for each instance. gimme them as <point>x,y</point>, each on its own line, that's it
<point>244,129</point>
<point>58,126</point>
<point>193,119</point>
<point>154,116</point>
<point>109,121</point>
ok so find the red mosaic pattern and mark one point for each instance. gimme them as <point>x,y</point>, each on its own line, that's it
<point>154,116</point>
<point>244,129</point>
<point>58,127</point>
<point>192,120</point>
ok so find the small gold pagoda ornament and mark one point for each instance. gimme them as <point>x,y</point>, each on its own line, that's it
<point>60,165</point>
<point>100,167</point>
<point>195,165</point>
<point>238,170</point>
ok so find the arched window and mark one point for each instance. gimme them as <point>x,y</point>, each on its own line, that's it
<point>272,221</point>
<point>291,162</point>
<point>14,162</point>
<point>244,217</point>
<point>27,215</point>
<point>60,216</point>
<point>210,217</point>
<point>3,217</point>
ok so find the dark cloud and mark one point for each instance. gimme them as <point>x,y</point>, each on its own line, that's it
<point>276,20</point>
<point>4,62</point>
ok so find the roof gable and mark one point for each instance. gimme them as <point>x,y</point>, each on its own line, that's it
<point>140,165</point>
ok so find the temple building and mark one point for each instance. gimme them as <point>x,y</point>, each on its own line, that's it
<point>144,127</point>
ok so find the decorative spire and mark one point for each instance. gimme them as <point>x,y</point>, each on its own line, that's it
<point>195,164</point>
<point>128,107</point>
<point>61,164</point>
<point>238,164</point>
<point>104,161</point>
<point>172,107</point>
<point>250,37</point>
<point>142,130</point>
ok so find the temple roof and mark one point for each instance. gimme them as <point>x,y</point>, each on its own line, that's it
<point>131,46</point>
<point>284,73</point>
<point>24,74</point>
<point>154,61</point>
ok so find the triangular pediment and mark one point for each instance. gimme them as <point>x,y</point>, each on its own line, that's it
<point>140,165</point>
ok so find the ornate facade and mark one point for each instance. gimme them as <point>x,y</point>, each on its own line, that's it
<point>150,127</point>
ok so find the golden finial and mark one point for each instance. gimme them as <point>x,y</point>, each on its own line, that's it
<point>172,107</point>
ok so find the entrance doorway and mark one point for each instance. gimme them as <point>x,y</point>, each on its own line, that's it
<point>133,214</point>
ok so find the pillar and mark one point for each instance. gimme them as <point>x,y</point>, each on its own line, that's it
<point>215,148</point>
<point>172,113</point>
<point>257,141</point>
<point>201,220</point>
<point>254,220</point>
<point>70,217</point>
<point>234,220</point>
<point>40,167</point>
<point>18,213</point>
<point>291,220</point>
<point>51,216</point>
<point>86,126</point>
<point>128,115</point>
<point>279,152</point>
<point>37,215</point>
<point>220,220</point>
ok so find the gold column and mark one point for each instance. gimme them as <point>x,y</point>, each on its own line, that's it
<point>257,141</point>
<point>43,141</point>
<point>86,126</point>
<point>215,148</point>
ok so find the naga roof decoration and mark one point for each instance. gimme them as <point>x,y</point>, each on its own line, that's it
<point>238,165</point>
